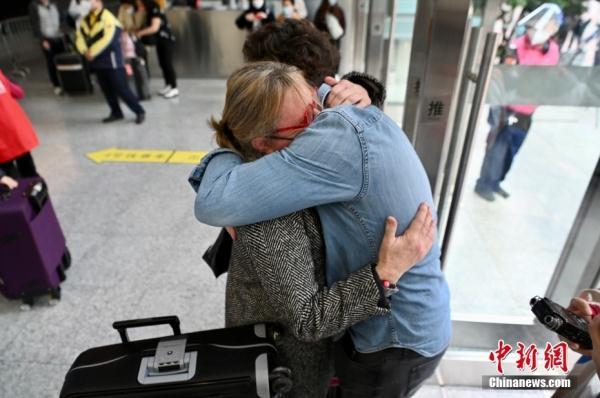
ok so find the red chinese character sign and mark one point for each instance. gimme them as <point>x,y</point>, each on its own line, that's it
<point>555,356</point>
<point>500,354</point>
<point>527,357</point>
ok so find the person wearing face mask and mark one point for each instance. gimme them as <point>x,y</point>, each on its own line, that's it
<point>78,9</point>
<point>330,18</point>
<point>289,9</point>
<point>510,124</point>
<point>98,41</point>
<point>255,16</point>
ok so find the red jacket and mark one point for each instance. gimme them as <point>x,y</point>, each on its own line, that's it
<point>17,135</point>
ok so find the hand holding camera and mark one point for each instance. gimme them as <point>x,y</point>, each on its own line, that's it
<point>587,306</point>
<point>578,324</point>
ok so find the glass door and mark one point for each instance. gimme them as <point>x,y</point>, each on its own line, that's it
<point>536,122</point>
<point>537,232</point>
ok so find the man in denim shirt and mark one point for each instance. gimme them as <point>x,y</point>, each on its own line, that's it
<point>357,167</point>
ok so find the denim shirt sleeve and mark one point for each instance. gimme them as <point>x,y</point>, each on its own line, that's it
<point>324,164</point>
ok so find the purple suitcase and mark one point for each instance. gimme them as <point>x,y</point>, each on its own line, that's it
<point>33,255</point>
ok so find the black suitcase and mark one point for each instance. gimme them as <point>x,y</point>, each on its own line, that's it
<point>234,362</point>
<point>73,73</point>
<point>140,78</point>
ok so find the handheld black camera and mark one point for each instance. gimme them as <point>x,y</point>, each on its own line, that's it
<point>562,321</point>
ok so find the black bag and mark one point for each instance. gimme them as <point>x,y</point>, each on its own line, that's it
<point>218,254</point>
<point>149,40</point>
<point>140,78</point>
<point>140,49</point>
<point>234,362</point>
<point>73,73</point>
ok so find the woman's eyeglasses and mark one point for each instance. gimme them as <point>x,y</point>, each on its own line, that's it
<point>309,116</point>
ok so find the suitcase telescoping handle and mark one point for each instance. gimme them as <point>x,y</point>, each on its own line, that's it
<point>122,326</point>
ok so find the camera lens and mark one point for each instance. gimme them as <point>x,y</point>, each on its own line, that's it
<point>552,322</point>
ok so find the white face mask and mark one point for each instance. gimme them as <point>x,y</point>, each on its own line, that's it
<point>258,3</point>
<point>288,11</point>
<point>538,36</point>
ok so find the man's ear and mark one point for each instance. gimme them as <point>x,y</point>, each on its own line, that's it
<point>261,145</point>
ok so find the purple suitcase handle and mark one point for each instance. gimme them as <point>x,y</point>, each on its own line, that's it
<point>122,326</point>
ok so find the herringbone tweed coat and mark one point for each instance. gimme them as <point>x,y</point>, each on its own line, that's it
<point>277,274</point>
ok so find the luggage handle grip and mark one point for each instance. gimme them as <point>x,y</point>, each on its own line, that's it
<point>122,326</point>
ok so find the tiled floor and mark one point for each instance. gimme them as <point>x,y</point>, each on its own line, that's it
<point>130,227</point>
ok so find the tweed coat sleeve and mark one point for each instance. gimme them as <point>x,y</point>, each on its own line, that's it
<point>280,251</point>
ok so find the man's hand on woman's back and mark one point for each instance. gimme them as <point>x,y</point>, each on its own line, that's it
<point>398,254</point>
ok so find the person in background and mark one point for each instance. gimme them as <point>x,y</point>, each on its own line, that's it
<point>300,7</point>
<point>156,31</point>
<point>130,45</point>
<point>17,137</point>
<point>289,10</point>
<point>131,21</point>
<point>45,22</point>
<point>78,9</point>
<point>255,16</point>
<point>98,40</point>
<point>125,39</point>
<point>587,306</point>
<point>511,123</point>
<point>330,18</point>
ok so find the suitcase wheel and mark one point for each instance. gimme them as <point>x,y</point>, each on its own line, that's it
<point>61,273</point>
<point>55,293</point>
<point>27,303</point>
<point>66,259</point>
<point>54,296</point>
<point>281,380</point>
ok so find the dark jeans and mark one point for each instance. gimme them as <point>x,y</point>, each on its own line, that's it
<point>499,157</point>
<point>21,167</point>
<point>164,50</point>
<point>391,373</point>
<point>113,83</point>
<point>57,46</point>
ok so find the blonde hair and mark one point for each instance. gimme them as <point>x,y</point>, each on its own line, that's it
<point>125,18</point>
<point>253,104</point>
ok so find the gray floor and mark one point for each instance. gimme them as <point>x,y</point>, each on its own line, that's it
<point>135,243</point>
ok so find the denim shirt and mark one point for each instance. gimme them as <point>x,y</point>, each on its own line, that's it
<point>357,167</point>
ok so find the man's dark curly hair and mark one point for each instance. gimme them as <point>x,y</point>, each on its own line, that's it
<point>294,42</point>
